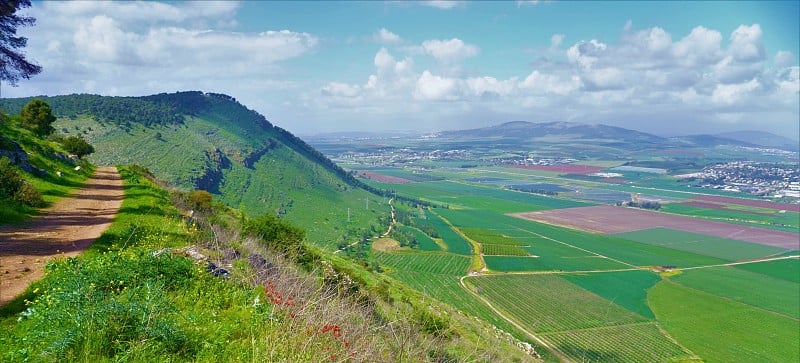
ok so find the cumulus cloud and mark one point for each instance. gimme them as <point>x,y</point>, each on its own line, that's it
<point>449,50</point>
<point>134,48</point>
<point>648,74</point>
<point>436,88</point>
<point>385,36</point>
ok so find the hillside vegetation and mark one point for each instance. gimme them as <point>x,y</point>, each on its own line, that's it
<point>160,285</point>
<point>211,142</point>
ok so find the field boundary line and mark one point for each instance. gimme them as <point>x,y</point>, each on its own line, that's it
<point>583,249</point>
<point>541,342</point>
<point>476,247</point>
<point>731,300</point>
<point>760,260</point>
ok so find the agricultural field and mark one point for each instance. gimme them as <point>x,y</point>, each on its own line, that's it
<point>432,262</point>
<point>727,249</point>
<point>455,243</point>
<point>610,219</point>
<point>722,330</point>
<point>597,282</point>
<point>579,324</point>
<point>426,243</point>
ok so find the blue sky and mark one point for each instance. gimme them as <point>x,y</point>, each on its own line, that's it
<point>662,67</point>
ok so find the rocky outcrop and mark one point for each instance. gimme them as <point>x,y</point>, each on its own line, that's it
<point>13,151</point>
<point>210,181</point>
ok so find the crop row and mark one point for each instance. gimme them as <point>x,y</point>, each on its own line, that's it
<point>487,236</point>
<point>629,343</point>
<point>548,303</point>
<point>435,263</point>
<point>503,250</point>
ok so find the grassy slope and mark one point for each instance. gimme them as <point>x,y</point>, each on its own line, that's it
<point>40,154</point>
<point>282,180</point>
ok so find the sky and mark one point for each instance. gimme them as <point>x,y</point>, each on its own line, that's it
<point>669,68</point>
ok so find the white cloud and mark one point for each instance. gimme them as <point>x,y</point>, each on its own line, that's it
<point>133,48</point>
<point>701,47</point>
<point>586,53</point>
<point>449,50</point>
<point>435,88</point>
<point>338,89</point>
<point>441,4</point>
<point>746,44</point>
<point>490,86</point>
<point>731,93</point>
<point>385,36</point>
<point>521,3</point>
<point>548,83</point>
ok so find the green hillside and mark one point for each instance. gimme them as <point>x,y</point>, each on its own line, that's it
<point>212,142</point>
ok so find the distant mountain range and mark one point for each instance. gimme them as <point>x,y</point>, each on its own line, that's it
<point>617,136</point>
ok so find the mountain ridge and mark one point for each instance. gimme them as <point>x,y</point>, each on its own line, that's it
<point>211,141</point>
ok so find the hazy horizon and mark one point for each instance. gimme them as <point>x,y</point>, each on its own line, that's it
<point>316,67</point>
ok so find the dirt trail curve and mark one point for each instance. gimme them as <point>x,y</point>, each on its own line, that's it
<point>65,229</point>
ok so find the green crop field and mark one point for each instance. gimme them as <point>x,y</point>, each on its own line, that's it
<point>550,263</point>
<point>455,243</point>
<point>788,270</point>
<point>549,303</point>
<point>431,262</point>
<point>447,289</point>
<point>722,330</point>
<point>726,249</point>
<point>425,241</point>
<point>747,287</point>
<point>503,250</point>
<point>486,236</point>
<point>629,343</point>
<point>627,289</point>
<point>578,323</point>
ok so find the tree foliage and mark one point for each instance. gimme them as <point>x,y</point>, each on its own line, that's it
<point>13,65</point>
<point>78,146</point>
<point>37,117</point>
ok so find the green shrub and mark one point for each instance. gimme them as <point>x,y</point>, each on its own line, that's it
<point>28,195</point>
<point>277,234</point>
<point>200,200</point>
<point>78,146</point>
<point>10,180</point>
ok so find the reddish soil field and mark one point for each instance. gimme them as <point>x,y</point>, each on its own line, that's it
<point>611,219</point>
<point>383,178</point>
<point>750,203</point>
<point>564,168</point>
<point>721,207</point>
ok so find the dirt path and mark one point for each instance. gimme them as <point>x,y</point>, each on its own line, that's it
<point>65,229</point>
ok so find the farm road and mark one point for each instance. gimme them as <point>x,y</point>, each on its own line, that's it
<point>63,230</point>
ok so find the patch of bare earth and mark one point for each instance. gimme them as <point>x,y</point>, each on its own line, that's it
<point>65,229</point>
<point>611,220</point>
<point>385,244</point>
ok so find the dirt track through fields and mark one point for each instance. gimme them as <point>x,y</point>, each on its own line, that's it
<point>63,230</point>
